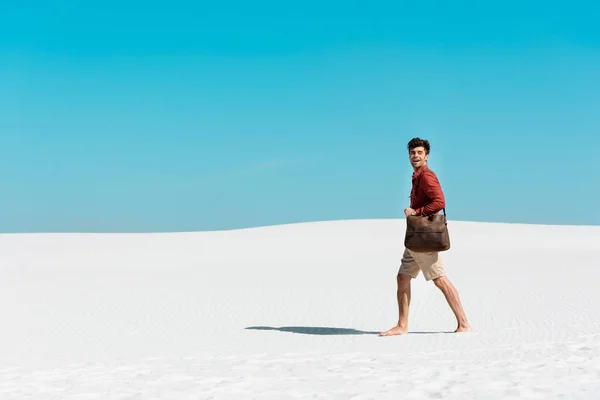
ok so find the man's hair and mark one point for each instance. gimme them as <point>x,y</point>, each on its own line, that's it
<point>418,142</point>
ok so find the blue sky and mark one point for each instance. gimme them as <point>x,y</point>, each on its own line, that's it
<point>181,116</point>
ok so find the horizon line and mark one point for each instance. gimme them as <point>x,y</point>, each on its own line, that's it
<point>291,224</point>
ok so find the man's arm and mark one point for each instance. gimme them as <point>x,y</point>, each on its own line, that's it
<point>431,186</point>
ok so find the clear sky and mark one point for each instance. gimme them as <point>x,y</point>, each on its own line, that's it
<point>184,116</point>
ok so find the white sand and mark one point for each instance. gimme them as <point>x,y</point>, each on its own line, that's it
<point>294,311</point>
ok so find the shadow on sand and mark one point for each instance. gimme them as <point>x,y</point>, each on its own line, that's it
<point>320,330</point>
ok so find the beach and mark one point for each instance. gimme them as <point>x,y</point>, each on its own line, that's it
<point>294,311</point>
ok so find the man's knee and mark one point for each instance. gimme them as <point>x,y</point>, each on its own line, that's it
<point>440,282</point>
<point>403,279</point>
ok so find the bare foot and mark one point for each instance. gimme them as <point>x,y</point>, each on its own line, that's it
<point>463,329</point>
<point>395,331</point>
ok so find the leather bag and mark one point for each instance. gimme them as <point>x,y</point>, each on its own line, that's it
<point>427,233</point>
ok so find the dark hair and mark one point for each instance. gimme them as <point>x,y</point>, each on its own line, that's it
<point>418,142</point>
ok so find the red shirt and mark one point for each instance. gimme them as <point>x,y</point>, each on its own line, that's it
<point>426,196</point>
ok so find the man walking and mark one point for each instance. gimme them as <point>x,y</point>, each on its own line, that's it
<point>426,198</point>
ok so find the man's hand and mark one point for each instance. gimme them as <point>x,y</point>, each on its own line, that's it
<point>409,211</point>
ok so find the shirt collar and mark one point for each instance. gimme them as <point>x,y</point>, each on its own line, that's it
<point>419,172</point>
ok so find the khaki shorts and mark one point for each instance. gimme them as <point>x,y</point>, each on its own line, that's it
<point>430,263</point>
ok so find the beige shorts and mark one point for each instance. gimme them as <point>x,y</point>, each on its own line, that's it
<point>430,263</point>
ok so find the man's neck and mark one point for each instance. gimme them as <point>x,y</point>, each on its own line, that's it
<point>420,168</point>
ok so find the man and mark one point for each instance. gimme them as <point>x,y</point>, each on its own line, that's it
<point>426,198</point>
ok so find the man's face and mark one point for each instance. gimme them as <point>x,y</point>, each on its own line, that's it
<point>418,157</point>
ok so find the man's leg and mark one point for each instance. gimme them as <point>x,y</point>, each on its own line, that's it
<point>451,294</point>
<point>433,269</point>
<point>403,295</point>
<point>409,269</point>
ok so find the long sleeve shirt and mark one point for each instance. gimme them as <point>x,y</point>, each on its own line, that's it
<point>426,197</point>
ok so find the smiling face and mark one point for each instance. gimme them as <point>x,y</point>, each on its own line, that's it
<point>418,157</point>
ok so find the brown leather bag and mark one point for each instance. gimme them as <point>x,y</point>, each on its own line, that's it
<point>427,233</point>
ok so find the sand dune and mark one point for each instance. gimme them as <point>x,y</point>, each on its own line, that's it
<point>294,311</point>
